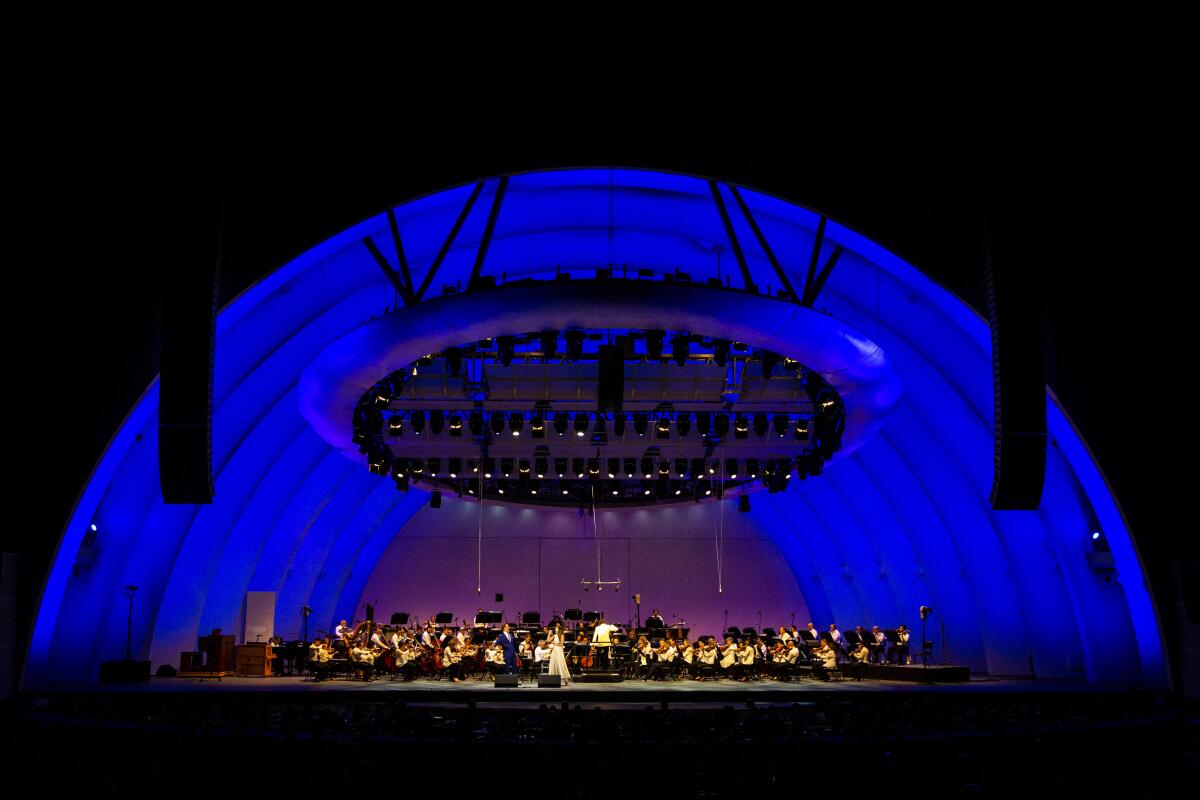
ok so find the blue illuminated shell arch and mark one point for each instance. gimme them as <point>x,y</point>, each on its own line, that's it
<point>901,520</point>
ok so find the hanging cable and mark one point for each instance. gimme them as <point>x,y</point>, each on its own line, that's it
<point>479,541</point>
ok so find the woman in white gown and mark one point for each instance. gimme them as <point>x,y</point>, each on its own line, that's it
<point>558,662</point>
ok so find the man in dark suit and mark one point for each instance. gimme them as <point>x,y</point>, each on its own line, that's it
<point>508,643</point>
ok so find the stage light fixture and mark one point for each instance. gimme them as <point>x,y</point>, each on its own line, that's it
<point>515,421</point>
<point>417,420</point>
<point>574,345</point>
<point>506,467</point>
<point>560,423</point>
<point>696,468</point>
<point>549,341</point>
<point>780,421</point>
<point>505,346</point>
<point>760,424</point>
<point>721,351</point>
<point>475,423</point>
<point>663,428</point>
<point>539,464</point>
<point>683,423</point>
<point>721,425</point>
<point>577,467</point>
<point>456,425</point>
<point>434,465</point>
<point>402,483</point>
<point>600,426</point>
<point>630,467</point>
<point>395,425</point>
<point>537,425</point>
<point>703,423</point>
<point>437,421</point>
<point>619,424</point>
<point>654,345</point>
<point>639,423</point>
<point>455,467</point>
<point>647,466</point>
<point>593,467</point>
<point>731,468</point>
<point>418,467</point>
<point>801,430</point>
<point>681,466</point>
<point>523,468</point>
<point>489,467</point>
<point>679,350</point>
<point>614,466</point>
<point>454,357</point>
<point>769,362</point>
<point>497,422</point>
<point>664,468</point>
<point>752,468</point>
<point>581,424</point>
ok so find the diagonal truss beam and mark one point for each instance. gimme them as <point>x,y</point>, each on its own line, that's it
<point>762,242</point>
<point>401,288</point>
<point>458,223</point>
<point>400,256</point>
<point>811,291</point>
<point>732,236</point>
<point>488,230</point>
<point>816,255</point>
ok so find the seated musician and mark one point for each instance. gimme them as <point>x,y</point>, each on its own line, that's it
<point>900,651</point>
<point>644,654</point>
<point>707,657</point>
<point>836,639</point>
<point>859,657</point>
<point>341,631</point>
<point>495,658</point>
<point>784,634</point>
<point>452,659</point>
<point>824,660</point>
<point>687,654</point>
<point>728,654</point>
<point>745,658</point>
<point>879,646</point>
<point>525,648</point>
<point>319,655</point>
<point>664,655</point>
<point>655,620</point>
<point>364,661</point>
<point>541,653</point>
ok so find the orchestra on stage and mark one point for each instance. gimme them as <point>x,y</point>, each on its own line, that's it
<point>589,642</point>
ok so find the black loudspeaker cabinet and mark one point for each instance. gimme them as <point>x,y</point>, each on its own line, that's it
<point>1018,364</point>
<point>549,681</point>
<point>185,382</point>
<point>506,681</point>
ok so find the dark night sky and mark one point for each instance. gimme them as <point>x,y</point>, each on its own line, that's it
<point>123,178</point>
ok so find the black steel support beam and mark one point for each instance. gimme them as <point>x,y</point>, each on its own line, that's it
<point>811,293</point>
<point>816,254</point>
<point>732,236</point>
<point>488,230</point>
<point>404,292</point>
<point>762,242</point>
<point>458,223</point>
<point>400,256</point>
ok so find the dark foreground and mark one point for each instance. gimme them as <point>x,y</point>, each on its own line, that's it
<point>866,744</point>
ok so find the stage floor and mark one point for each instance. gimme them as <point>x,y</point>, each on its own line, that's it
<point>630,691</point>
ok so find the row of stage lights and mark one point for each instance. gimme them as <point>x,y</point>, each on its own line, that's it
<point>539,468</point>
<point>518,480</point>
<point>546,349</point>
<point>657,425</point>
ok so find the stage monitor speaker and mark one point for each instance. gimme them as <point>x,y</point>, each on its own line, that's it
<point>610,389</point>
<point>185,381</point>
<point>506,681</point>
<point>549,681</point>
<point>1018,363</point>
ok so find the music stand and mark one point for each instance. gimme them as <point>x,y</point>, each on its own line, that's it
<point>573,614</point>
<point>531,618</point>
<point>400,618</point>
<point>591,617</point>
<point>443,618</point>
